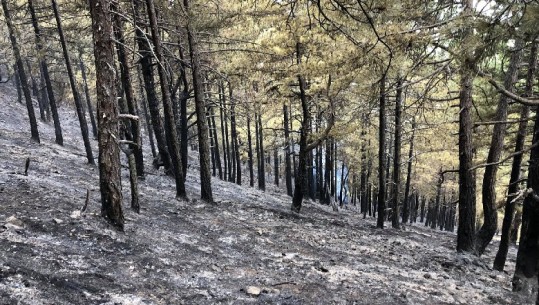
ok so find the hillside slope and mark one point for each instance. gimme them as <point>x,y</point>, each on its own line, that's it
<point>247,249</point>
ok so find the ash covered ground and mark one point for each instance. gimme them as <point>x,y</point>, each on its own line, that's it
<point>249,248</point>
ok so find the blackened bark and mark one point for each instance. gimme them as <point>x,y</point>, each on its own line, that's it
<point>203,142</point>
<point>381,155</point>
<point>436,208</point>
<point>146,66</point>
<point>147,118</point>
<point>59,139</point>
<point>327,173</point>
<point>76,95</point>
<point>302,157</point>
<point>87,95</point>
<point>35,91</point>
<point>287,161</point>
<point>262,165</point>
<point>490,220</point>
<point>501,255</point>
<point>18,85</point>
<point>129,94</point>
<point>528,248</point>
<point>397,157</point>
<point>406,208</point>
<point>216,144</point>
<point>170,127</point>
<point>250,152</point>
<point>466,227</point>
<point>22,75</point>
<point>276,166</point>
<point>235,138</point>
<point>223,135</point>
<point>107,108</point>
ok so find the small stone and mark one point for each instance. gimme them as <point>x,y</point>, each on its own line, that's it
<point>57,221</point>
<point>15,222</point>
<point>427,275</point>
<point>75,214</point>
<point>253,290</point>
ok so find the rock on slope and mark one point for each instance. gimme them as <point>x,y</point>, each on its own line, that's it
<point>247,249</point>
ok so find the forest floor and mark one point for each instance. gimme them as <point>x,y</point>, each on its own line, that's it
<point>247,249</point>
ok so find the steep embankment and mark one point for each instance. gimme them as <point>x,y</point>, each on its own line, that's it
<point>249,248</point>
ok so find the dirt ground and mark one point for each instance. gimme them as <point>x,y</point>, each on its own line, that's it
<point>247,249</point>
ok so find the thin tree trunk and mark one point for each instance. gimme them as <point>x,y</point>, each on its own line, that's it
<point>171,133</point>
<point>128,91</point>
<point>262,167</point>
<point>48,84</point>
<point>216,143</point>
<point>397,156</point>
<point>406,210</point>
<point>22,75</point>
<point>381,156</point>
<point>276,166</point>
<point>35,91</point>
<point>149,86</point>
<point>18,84</point>
<point>235,140</point>
<point>43,93</point>
<point>490,220</point>
<point>87,95</point>
<point>107,108</point>
<point>147,118</point>
<point>288,162</point>
<point>204,150</point>
<point>250,153</point>
<point>223,135</point>
<point>76,96</point>
<point>501,255</point>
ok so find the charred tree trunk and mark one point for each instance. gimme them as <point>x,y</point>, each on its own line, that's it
<point>406,209</point>
<point>107,108</point>
<point>397,156</point>
<point>216,145</point>
<point>490,220</point>
<point>381,156</point>
<point>235,140</point>
<point>146,66</point>
<point>147,119</point>
<point>129,94</point>
<point>171,133</point>
<point>287,160</point>
<point>276,166</point>
<point>501,255</point>
<point>262,167</point>
<point>76,96</point>
<point>46,76</point>
<point>223,131</point>
<point>22,75</point>
<point>87,95</point>
<point>204,151</point>
<point>466,227</point>
<point>250,152</point>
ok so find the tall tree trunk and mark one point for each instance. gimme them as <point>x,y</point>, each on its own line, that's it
<point>327,174</point>
<point>436,208</point>
<point>129,93</point>
<point>287,161</point>
<point>276,166</point>
<point>107,108</point>
<point>234,134</point>
<point>146,66</point>
<point>87,95</point>
<point>170,133</point>
<point>204,150</point>
<point>43,93</point>
<point>406,209</point>
<point>262,166</point>
<point>18,84</point>
<point>501,255</point>
<point>223,135</point>
<point>381,156</point>
<point>250,153</point>
<point>147,119</point>
<point>59,139</point>
<point>397,156</point>
<point>302,157</point>
<point>22,75</point>
<point>35,91</point>
<point>490,220</point>
<point>216,143</point>
<point>528,248</point>
<point>76,96</point>
<point>466,228</point>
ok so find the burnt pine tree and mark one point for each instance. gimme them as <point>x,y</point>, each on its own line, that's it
<point>250,152</point>
<point>501,255</point>
<point>107,108</point>
<point>22,75</point>
<point>407,207</point>
<point>73,84</point>
<point>170,132</point>
<point>200,109</point>
<point>82,68</point>
<point>397,157</point>
<point>381,155</point>
<point>287,160</point>
<point>490,223</point>
<point>466,226</point>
